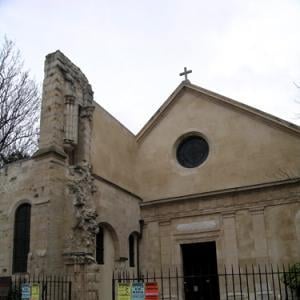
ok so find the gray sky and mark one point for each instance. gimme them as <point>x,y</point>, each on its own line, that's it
<point>133,50</point>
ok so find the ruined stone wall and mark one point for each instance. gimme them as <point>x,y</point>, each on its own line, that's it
<point>69,187</point>
<point>67,109</point>
<point>72,124</point>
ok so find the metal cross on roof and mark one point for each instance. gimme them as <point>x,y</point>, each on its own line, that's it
<point>185,73</point>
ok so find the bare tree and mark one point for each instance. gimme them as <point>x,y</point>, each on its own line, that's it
<point>19,107</point>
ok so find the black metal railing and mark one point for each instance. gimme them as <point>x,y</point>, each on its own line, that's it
<point>251,283</point>
<point>51,287</point>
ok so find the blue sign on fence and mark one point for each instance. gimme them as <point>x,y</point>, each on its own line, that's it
<point>25,291</point>
<point>137,291</point>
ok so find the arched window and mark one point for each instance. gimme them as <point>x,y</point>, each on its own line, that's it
<point>100,246</point>
<point>131,250</point>
<point>21,238</point>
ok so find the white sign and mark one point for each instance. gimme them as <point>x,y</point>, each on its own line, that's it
<point>197,226</point>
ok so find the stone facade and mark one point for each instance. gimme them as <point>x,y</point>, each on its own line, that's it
<point>90,171</point>
<point>250,227</point>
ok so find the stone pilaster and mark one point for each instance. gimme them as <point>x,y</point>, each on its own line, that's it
<point>230,241</point>
<point>259,230</point>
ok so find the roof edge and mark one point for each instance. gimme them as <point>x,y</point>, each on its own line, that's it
<point>150,124</point>
<point>153,121</point>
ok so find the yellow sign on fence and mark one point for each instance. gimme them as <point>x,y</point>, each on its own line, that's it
<point>35,292</point>
<point>124,291</point>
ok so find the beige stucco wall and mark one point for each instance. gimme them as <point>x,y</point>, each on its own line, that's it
<point>244,149</point>
<point>113,150</point>
<point>119,212</point>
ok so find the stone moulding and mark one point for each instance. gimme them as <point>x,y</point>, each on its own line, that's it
<point>78,258</point>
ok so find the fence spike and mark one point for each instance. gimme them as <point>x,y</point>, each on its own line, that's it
<point>162,283</point>
<point>169,284</point>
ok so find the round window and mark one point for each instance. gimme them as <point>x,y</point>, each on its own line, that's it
<point>192,151</point>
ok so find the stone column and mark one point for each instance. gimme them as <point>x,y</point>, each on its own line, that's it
<point>71,127</point>
<point>71,120</point>
<point>85,131</point>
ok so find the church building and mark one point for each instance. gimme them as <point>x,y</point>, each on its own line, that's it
<point>208,182</point>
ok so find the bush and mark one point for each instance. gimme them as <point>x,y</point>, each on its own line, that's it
<point>292,277</point>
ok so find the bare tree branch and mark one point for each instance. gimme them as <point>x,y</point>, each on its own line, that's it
<point>19,107</point>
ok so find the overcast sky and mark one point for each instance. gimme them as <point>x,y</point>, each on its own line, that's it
<point>133,50</point>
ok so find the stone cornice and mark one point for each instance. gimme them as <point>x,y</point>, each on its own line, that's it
<point>225,210</point>
<point>50,151</point>
<point>222,192</point>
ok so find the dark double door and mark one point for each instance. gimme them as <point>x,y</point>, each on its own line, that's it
<point>200,271</point>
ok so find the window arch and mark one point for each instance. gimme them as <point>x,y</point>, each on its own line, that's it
<point>131,243</point>
<point>21,238</point>
<point>100,246</point>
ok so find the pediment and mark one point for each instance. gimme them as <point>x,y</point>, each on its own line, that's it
<point>247,147</point>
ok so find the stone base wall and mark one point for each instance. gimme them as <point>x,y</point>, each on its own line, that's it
<point>254,227</point>
<point>31,182</point>
<point>86,280</point>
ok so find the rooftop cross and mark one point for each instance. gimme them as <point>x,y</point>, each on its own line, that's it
<point>185,73</point>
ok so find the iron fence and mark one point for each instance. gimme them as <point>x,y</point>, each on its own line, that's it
<point>249,282</point>
<point>50,287</point>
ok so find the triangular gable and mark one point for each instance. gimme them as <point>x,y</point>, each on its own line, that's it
<point>154,120</point>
